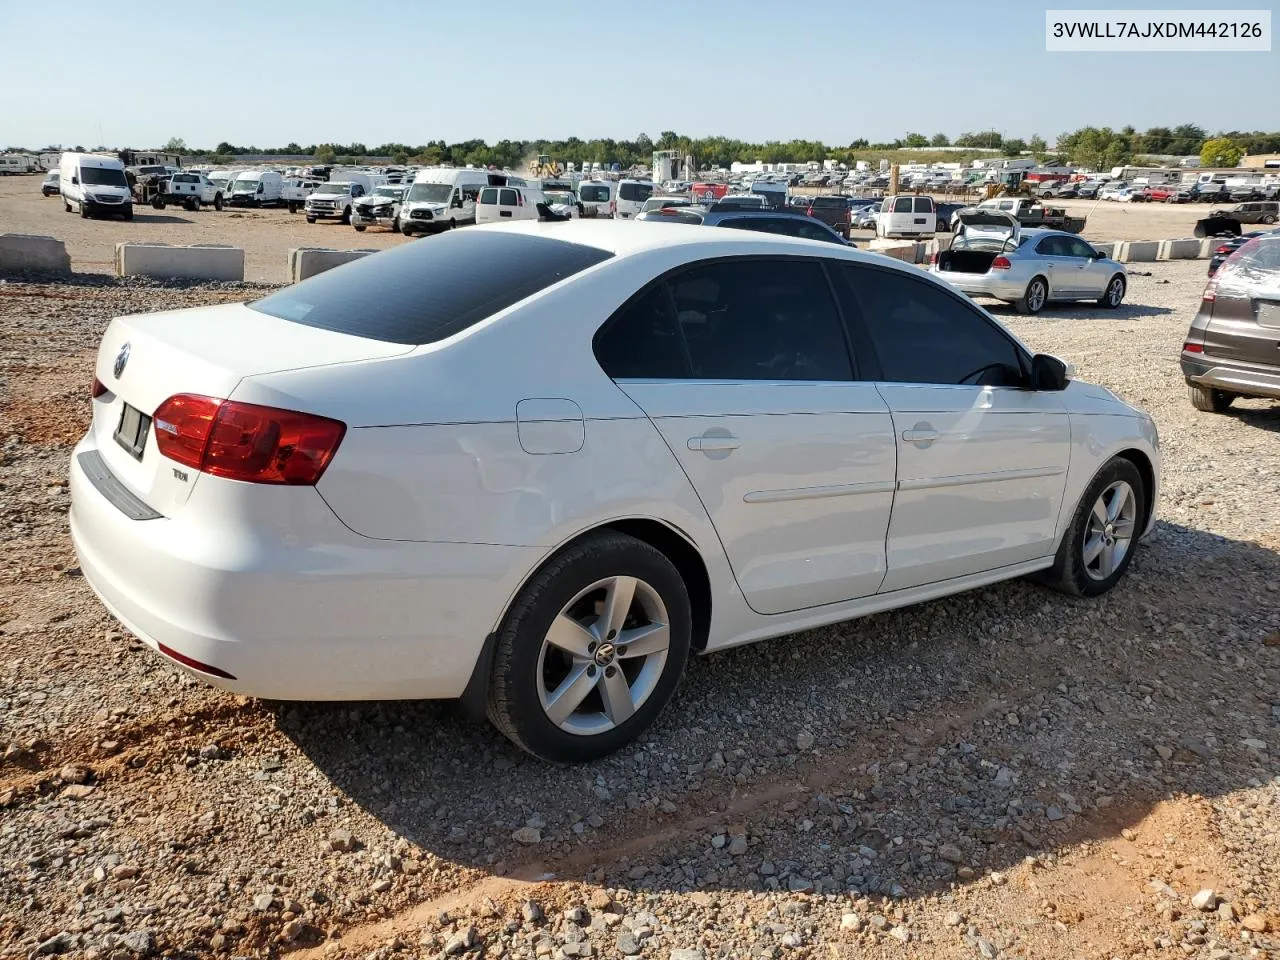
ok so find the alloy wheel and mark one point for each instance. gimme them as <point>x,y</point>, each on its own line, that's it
<point>603,656</point>
<point>1109,531</point>
<point>1036,295</point>
<point>1115,292</point>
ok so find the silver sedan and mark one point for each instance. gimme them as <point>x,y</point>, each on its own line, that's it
<point>991,256</point>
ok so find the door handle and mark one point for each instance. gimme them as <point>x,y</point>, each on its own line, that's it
<point>705,444</point>
<point>922,434</point>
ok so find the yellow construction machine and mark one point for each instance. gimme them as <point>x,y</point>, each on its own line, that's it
<point>545,168</point>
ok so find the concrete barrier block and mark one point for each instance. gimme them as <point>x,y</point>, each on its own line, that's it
<point>907,252</point>
<point>308,261</point>
<point>1107,249</point>
<point>1138,251</point>
<point>1208,245</point>
<point>23,253</point>
<point>1186,249</point>
<point>206,261</point>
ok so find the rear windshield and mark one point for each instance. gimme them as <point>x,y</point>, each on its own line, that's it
<point>594,193</point>
<point>836,203</point>
<point>635,191</point>
<point>425,292</point>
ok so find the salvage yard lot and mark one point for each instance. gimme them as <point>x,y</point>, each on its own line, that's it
<point>267,235</point>
<point>1004,772</point>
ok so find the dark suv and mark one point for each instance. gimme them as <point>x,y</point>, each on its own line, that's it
<point>784,222</point>
<point>1260,211</point>
<point>1231,348</point>
<point>833,211</point>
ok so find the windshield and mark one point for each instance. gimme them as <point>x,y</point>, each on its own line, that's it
<point>431,192</point>
<point>103,177</point>
<point>392,193</point>
<point>594,193</point>
<point>245,185</point>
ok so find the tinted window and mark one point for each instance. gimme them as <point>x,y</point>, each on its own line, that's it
<point>783,226</point>
<point>760,320</point>
<point>828,203</point>
<point>1075,247</point>
<point>635,191</point>
<point>507,198</point>
<point>642,341</point>
<point>902,205</point>
<point>488,196</point>
<point>925,334</point>
<point>924,205</point>
<point>423,292</point>
<point>1051,247</point>
<point>594,193</point>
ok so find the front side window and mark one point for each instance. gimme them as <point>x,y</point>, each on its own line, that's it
<point>925,334</point>
<point>744,319</point>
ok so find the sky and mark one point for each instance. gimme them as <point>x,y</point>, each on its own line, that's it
<point>266,72</point>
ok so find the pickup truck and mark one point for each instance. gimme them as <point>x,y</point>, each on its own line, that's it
<point>295,190</point>
<point>1030,213</point>
<point>189,189</point>
<point>833,211</point>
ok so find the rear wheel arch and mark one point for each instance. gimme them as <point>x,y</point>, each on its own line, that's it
<point>667,539</point>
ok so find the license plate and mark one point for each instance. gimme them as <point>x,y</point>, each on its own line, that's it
<point>132,431</point>
<point>1268,313</point>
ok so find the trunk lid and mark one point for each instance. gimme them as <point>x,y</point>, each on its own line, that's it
<point>1245,320</point>
<point>987,223</point>
<point>206,350</point>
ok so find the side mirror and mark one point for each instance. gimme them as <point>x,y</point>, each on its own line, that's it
<point>1049,373</point>
<point>75,179</point>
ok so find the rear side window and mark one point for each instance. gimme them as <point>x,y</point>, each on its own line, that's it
<point>425,292</point>
<point>744,319</point>
<point>924,334</point>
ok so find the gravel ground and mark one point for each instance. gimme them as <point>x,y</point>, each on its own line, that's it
<point>1006,773</point>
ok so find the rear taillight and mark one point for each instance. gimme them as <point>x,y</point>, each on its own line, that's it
<point>1001,263</point>
<point>1210,291</point>
<point>1223,249</point>
<point>98,389</point>
<point>1189,347</point>
<point>933,258</point>
<point>245,441</point>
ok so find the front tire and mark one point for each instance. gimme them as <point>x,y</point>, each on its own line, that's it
<point>311,219</point>
<point>360,228</point>
<point>1113,296</point>
<point>346,215</point>
<point>591,650</point>
<point>217,202</point>
<point>1035,297</point>
<point>1098,546</point>
<point>1209,400</point>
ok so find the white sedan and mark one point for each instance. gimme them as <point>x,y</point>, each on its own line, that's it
<point>536,466</point>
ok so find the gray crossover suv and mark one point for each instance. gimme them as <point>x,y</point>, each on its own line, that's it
<point>1233,347</point>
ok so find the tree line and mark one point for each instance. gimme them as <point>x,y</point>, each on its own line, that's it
<point>1097,147</point>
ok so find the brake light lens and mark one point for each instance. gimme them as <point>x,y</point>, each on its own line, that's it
<point>1001,263</point>
<point>98,389</point>
<point>1192,347</point>
<point>933,258</point>
<point>245,441</point>
<point>1223,249</point>
<point>1210,290</point>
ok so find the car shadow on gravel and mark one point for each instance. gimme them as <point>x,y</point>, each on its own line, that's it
<point>1083,311</point>
<point>899,753</point>
<point>158,218</point>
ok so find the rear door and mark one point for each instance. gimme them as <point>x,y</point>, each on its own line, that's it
<point>1245,323</point>
<point>982,462</point>
<point>743,366</point>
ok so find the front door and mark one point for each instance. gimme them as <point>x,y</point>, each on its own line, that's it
<point>982,462</point>
<point>1061,269</point>
<point>1094,274</point>
<point>743,367</point>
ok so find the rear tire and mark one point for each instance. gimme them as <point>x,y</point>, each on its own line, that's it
<point>1076,569</point>
<point>1034,298</point>
<point>1208,399</point>
<point>84,211</point>
<point>346,215</point>
<point>360,228</point>
<point>580,583</point>
<point>1113,296</point>
<point>311,219</point>
<point>1269,218</point>
<point>217,202</point>
<point>128,212</point>
<point>66,207</point>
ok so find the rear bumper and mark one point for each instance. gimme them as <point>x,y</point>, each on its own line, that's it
<point>982,284</point>
<point>1234,376</point>
<point>288,601</point>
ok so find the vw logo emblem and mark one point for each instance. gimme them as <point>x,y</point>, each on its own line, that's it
<point>604,654</point>
<point>121,359</point>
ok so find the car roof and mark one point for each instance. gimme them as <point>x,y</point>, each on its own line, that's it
<point>625,238</point>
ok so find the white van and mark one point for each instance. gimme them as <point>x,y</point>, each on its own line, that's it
<point>94,184</point>
<point>521,203</point>
<point>597,197</point>
<point>256,188</point>
<point>442,198</point>
<point>907,215</point>
<point>631,197</point>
